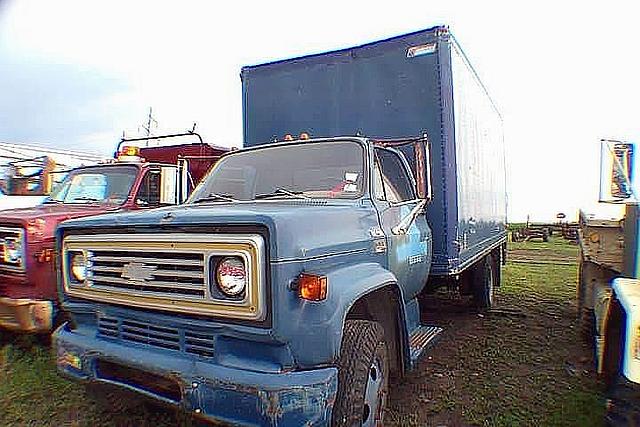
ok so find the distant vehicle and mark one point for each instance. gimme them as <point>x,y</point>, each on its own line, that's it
<point>28,182</point>
<point>287,289</point>
<point>139,178</point>
<point>609,285</point>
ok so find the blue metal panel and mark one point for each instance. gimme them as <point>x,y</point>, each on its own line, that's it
<point>375,90</point>
<point>479,153</point>
<point>384,89</point>
<point>446,249</point>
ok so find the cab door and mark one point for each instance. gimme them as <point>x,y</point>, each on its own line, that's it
<point>409,254</point>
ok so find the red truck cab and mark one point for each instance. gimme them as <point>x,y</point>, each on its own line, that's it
<point>137,179</point>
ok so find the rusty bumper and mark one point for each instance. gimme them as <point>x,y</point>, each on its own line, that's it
<point>199,386</point>
<point>26,315</point>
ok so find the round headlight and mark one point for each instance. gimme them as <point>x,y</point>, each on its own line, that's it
<point>12,251</point>
<point>231,276</point>
<point>79,267</point>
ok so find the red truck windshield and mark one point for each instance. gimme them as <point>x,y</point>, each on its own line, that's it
<point>108,184</point>
<point>330,169</point>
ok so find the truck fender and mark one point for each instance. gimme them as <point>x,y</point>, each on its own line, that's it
<point>323,321</point>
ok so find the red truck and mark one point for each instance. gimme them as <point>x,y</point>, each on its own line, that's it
<point>137,178</point>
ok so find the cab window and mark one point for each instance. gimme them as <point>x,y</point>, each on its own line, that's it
<point>158,187</point>
<point>149,190</point>
<point>394,178</point>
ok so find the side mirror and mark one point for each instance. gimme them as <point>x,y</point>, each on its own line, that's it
<point>616,172</point>
<point>169,186</point>
<point>421,149</point>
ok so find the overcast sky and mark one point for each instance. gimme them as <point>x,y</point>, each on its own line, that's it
<point>76,74</point>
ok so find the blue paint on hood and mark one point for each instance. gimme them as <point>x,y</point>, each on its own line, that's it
<point>303,229</point>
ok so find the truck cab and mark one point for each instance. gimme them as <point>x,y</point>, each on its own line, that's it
<point>255,280</point>
<point>609,281</point>
<point>28,297</point>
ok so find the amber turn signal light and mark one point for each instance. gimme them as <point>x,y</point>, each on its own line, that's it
<point>130,150</point>
<point>312,287</point>
<point>45,256</point>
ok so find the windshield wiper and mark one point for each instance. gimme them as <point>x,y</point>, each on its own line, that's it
<point>211,197</point>
<point>52,201</point>
<point>280,191</point>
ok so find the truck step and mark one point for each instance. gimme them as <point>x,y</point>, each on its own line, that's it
<point>420,339</point>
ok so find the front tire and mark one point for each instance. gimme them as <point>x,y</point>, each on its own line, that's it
<point>363,375</point>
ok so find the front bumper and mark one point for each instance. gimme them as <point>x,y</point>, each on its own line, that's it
<point>211,391</point>
<point>26,315</point>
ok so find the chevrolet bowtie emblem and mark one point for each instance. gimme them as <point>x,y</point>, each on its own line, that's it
<point>138,272</point>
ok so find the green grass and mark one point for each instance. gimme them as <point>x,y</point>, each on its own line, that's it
<point>31,391</point>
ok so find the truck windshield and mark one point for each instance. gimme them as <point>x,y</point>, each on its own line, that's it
<point>107,184</point>
<point>331,169</point>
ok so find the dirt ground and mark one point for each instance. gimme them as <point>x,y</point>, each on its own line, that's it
<point>521,364</point>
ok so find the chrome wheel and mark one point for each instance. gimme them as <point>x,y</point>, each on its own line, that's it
<point>375,393</point>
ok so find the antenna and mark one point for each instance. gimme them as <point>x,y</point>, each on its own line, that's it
<point>150,119</point>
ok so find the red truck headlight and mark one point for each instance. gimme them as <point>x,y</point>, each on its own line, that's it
<point>13,251</point>
<point>78,266</point>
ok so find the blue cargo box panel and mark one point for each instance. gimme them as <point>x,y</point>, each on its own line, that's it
<point>399,87</point>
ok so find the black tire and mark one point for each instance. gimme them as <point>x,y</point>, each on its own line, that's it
<point>614,344</point>
<point>484,284</point>
<point>364,353</point>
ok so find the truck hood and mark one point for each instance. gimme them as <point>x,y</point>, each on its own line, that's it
<point>302,229</point>
<point>52,214</point>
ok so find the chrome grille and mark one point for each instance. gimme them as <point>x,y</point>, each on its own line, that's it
<point>164,271</point>
<point>182,339</point>
<point>173,274</point>
<point>15,234</point>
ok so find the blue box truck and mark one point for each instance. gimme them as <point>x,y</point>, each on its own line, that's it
<point>287,290</point>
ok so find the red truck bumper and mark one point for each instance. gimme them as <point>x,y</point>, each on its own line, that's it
<point>26,315</point>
